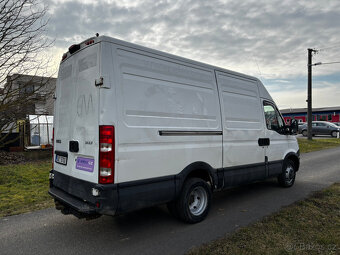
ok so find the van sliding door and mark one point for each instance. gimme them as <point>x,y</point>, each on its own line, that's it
<point>243,129</point>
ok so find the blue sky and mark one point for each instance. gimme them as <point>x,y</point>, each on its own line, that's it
<point>267,39</point>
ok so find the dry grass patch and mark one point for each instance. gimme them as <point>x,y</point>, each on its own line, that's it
<point>308,227</point>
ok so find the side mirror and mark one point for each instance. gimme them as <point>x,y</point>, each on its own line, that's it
<point>293,128</point>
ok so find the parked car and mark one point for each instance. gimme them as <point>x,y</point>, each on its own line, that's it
<point>321,128</point>
<point>300,124</point>
<point>135,127</point>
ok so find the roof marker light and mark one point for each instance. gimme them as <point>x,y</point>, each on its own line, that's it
<point>89,42</point>
<point>63,57</point>
<point>73,48</point>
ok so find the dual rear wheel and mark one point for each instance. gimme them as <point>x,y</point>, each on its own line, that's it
<point>194,202</point>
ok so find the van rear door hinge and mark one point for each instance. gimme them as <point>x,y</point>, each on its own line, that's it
<point>99,82</point>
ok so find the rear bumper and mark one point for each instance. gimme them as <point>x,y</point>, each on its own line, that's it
<point>72,202</point>
<point>76,195</point>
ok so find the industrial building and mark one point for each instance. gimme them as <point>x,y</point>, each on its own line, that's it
<point>331,114</point>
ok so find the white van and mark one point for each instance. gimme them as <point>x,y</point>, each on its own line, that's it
<point>136,127</point>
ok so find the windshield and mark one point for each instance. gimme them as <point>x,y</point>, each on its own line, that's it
<point>333,125</point>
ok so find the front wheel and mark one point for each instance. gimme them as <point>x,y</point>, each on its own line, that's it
<point>193,204</point>
<point>304,132</point>
<point>287,178</point>
<point>334,134</point>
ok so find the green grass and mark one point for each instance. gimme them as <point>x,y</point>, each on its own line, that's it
<point>317,144</point>
<point>24,187</point>
<point>308,227</point>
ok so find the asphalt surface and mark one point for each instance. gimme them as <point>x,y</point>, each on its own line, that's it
<point>153,230</point>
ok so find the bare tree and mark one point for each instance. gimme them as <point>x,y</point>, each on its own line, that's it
<point>22,40</point>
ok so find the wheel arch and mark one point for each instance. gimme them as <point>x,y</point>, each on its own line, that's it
<point>295,157</point>
<point>332,132</point>
<point>197,169</point>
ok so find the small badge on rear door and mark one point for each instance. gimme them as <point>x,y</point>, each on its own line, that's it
<point>85,164</point>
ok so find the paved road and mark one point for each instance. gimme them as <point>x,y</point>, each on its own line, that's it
<point>154,231</point>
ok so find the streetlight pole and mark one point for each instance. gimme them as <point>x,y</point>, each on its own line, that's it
<point>309,95</point>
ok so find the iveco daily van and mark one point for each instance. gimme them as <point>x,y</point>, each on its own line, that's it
<point>136,127</point>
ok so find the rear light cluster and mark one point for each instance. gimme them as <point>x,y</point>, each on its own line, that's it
<point>53,148</point>
<point>75,47</point>
<point>106,154</point>
<point>89,42</point>
<point>64,57</point>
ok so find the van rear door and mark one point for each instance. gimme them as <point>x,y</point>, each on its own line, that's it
<point>76,115</point>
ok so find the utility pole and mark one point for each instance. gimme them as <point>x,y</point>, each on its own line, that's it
<point>309,95</point>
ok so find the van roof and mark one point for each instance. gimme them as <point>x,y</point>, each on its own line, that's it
<point>263,91</point>
<point>158,52</point>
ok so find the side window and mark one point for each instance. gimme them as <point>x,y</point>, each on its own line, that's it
<point>273,118</point>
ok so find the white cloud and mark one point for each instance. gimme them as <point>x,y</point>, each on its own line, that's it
<point>321,97</point>
<point>267,39</point>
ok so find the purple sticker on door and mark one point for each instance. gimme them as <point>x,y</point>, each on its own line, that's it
<point>85,164</point>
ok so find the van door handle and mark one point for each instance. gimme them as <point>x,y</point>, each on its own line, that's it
<point>264,141</point>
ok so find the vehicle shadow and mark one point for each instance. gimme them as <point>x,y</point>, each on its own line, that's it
<point>160,214</point>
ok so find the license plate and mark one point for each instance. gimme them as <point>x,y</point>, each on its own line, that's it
<point>61,159</point>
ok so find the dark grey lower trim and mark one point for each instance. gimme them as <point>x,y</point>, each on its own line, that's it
<point>274,168</point>
<point>129,196</point>
<point>74,192</point>
<point>71,201</point>
<point>113,198</point>
<point>146,181</point>
<point>145,193</point>
<point>234,176</point>
<point>187,133</point>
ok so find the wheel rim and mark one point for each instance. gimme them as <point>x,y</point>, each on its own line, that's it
<point>198,201</point>
<point>334,134</point>
<point>289,174</point>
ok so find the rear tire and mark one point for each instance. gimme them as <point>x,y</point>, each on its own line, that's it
<point>193,204</point>
<point>334,134</point>
<point>304,132</point>
<point>287,178</point>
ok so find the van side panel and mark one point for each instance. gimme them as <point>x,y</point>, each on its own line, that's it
<point>156,95</point>
<point>243,158</point>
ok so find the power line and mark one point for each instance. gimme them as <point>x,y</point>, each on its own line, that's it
<point>325,63</point>
<point>331,47</point>
<point>329,63</point>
